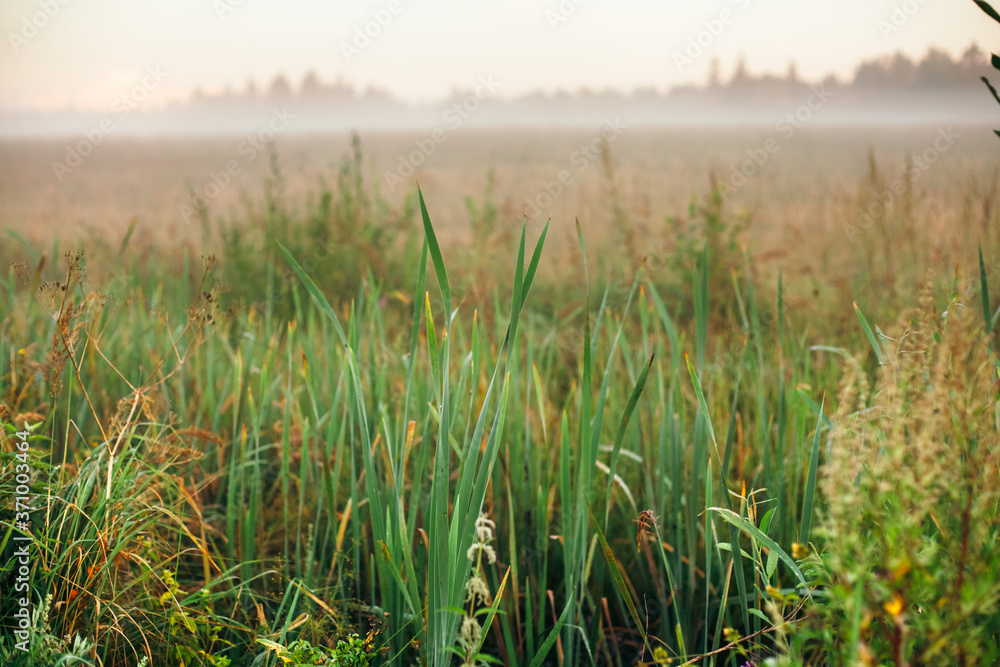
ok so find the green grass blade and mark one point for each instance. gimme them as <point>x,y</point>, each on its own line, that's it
<point>703,404</point>
<point>701,310</point>
<point>985,293</point>
<point>36,257</point>
<point>550,641</point>
<point>616,572</point>
<point>633,400</point>
<point>412,358</point>
<point>492,612</point>
<point>870,334</point>
<point>128,237</point>
<point>436,257</point>
<point>668,324</point>
<point>432,347</point>
<point>536,255</point>
<point>807,505</point>
<point>397,576</point>
<point>517,300</point>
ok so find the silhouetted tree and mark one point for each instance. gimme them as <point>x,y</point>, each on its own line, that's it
<point>793,73</point>
<point>740,77</point>
<point>280,87</point>
<point>714,77</point>
<point>973,59</point>
<point>937,70</point>
<point>890,71</point>
<point>311,86</point>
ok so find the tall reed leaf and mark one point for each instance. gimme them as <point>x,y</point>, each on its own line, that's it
<point>870,335</point>
<point>633,400</point>
<point>807,503</point>
<point>616,572</point>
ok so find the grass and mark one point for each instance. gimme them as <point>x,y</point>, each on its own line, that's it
<point>265,459</point>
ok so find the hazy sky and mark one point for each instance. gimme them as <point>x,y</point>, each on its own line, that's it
<point>88,53</point>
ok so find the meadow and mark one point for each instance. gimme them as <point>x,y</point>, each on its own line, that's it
<point>666,417</point>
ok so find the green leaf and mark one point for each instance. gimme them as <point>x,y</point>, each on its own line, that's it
<point>432,348</point>
<point>36,257</point>
<point>813,406</point>
<point>703,404</point>
<point>128,237</point>
<point>616,572</point>
<point>870,334</point>
<point>536,255</point>
<point>772,564</point>
<point>436,257</point>
<point>726,546</point>
<point>398,576</point>
<point>985,6</point>
<point>747,527</point>
<point>985,291</point>
<point>810,492</point>
<point>993,90</point>
<point>492,612</point>
<point>765,522</point>
<point>550,640</point>
<point>633,400</point>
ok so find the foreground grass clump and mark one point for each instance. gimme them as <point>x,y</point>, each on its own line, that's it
<point>400,477</point>
<point>913,486</point>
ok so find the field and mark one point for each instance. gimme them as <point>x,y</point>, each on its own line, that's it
<point>298,412</point>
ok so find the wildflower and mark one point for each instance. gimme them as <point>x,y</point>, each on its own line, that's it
<point>484,528</point>
<point>477,588</point>
<point>484,535</point>
<point>472,633</point>
<point>491,554</point>
<point>894,606</point>
<point>661,657</point>
<point>470,637</point>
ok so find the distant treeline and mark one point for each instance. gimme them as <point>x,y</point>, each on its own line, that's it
<point>936,71</point>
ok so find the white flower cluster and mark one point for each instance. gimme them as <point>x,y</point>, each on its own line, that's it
<point>470,637</point>
<point>484,535</point>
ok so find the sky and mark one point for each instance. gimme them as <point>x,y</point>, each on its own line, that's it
<point>88,54</point>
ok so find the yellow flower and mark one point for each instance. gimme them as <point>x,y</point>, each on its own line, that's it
<point>900,570</point>
<point>661,657</point>
<point>895,606</point>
